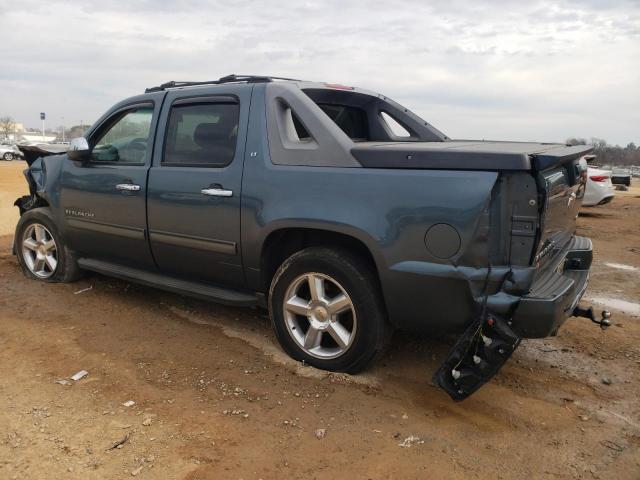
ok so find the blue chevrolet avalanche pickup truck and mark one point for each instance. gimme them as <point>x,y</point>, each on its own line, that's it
<point>341,211</point>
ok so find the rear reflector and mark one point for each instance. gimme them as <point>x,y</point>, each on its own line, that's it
<point>599,178</point>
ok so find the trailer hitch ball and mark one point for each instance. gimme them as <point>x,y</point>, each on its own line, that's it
<point>604,321</point>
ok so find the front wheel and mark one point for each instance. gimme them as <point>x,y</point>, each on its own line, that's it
<point>326,309</point>
<point>8,156</point>
<point>41,251</point>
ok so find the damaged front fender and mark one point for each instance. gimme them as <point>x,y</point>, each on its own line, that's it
<point>45,165</point>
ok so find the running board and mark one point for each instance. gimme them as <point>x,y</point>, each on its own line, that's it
<point>171,284</point>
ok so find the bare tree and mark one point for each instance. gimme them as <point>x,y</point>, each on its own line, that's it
<point>576,141</point>
<point>7,126</point>
<point>76,131</point>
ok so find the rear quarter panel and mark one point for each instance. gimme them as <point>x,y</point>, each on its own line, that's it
<point>389,211</point>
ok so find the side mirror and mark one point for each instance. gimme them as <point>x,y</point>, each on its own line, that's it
<point>79,149</point>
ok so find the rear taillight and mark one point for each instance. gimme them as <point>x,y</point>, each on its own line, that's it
<point>599,178</point>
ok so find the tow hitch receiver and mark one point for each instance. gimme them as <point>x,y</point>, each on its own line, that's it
<point>589,313</point>
<point>476,357</point>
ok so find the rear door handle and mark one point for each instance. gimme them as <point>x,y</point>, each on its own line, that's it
<point>216,192</point>
<point>128,187</point>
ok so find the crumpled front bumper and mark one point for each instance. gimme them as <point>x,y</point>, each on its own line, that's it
<point>555,294</point>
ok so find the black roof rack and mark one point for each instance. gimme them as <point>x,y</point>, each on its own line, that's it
<point>233,78</point>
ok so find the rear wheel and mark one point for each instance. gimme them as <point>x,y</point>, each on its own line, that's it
<point>8,156</point>
<point>327,310</point>
<point>41,251</point>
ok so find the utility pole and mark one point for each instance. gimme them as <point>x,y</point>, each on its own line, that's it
<point>42,117</point>
<point>62,129</point>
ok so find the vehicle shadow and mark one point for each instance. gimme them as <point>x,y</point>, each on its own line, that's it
<point>594,214</point>
<point>410,357</point>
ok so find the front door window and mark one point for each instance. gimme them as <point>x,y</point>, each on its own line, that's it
<point>126,140</point>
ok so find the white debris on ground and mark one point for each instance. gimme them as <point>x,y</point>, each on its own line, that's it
<point>238,412</point>
<point>622,266</point>
<point>137,471</point>
<point>410,441</point>
<point>90,287</point>
<point>81,374</point>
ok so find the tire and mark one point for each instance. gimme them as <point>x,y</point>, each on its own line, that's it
<point>35,232</point>
<point>349,309</point>
<point>8,156</point>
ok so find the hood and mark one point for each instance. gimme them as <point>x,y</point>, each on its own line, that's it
<point>32,152</point>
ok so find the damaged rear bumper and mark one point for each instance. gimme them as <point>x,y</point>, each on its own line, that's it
<point>491,339</point>
<point>554,296</point>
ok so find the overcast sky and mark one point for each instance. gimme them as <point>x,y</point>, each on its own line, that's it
<point>497,69</point>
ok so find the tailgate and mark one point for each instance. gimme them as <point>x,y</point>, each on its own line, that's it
<point>561,188</point>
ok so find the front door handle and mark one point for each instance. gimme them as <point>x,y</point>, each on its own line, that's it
<point>216,192</point>
<point>128,187</point>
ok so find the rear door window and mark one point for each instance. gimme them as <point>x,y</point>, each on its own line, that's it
<point>201,134</point>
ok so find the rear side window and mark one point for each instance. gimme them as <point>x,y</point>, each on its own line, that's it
<point>201,134</point>
<point>394,126</point>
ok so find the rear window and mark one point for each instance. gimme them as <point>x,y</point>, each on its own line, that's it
<point>365,117</point>
<point>351,120</point>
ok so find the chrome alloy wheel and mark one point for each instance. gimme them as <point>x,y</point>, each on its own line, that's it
<point>39,250</point>
<point>319,315</point>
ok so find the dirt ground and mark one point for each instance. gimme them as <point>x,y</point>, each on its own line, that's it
<point>215,398</point>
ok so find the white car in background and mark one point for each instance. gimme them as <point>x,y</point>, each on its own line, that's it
<point>599,189</point>
<point>9,152</point>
